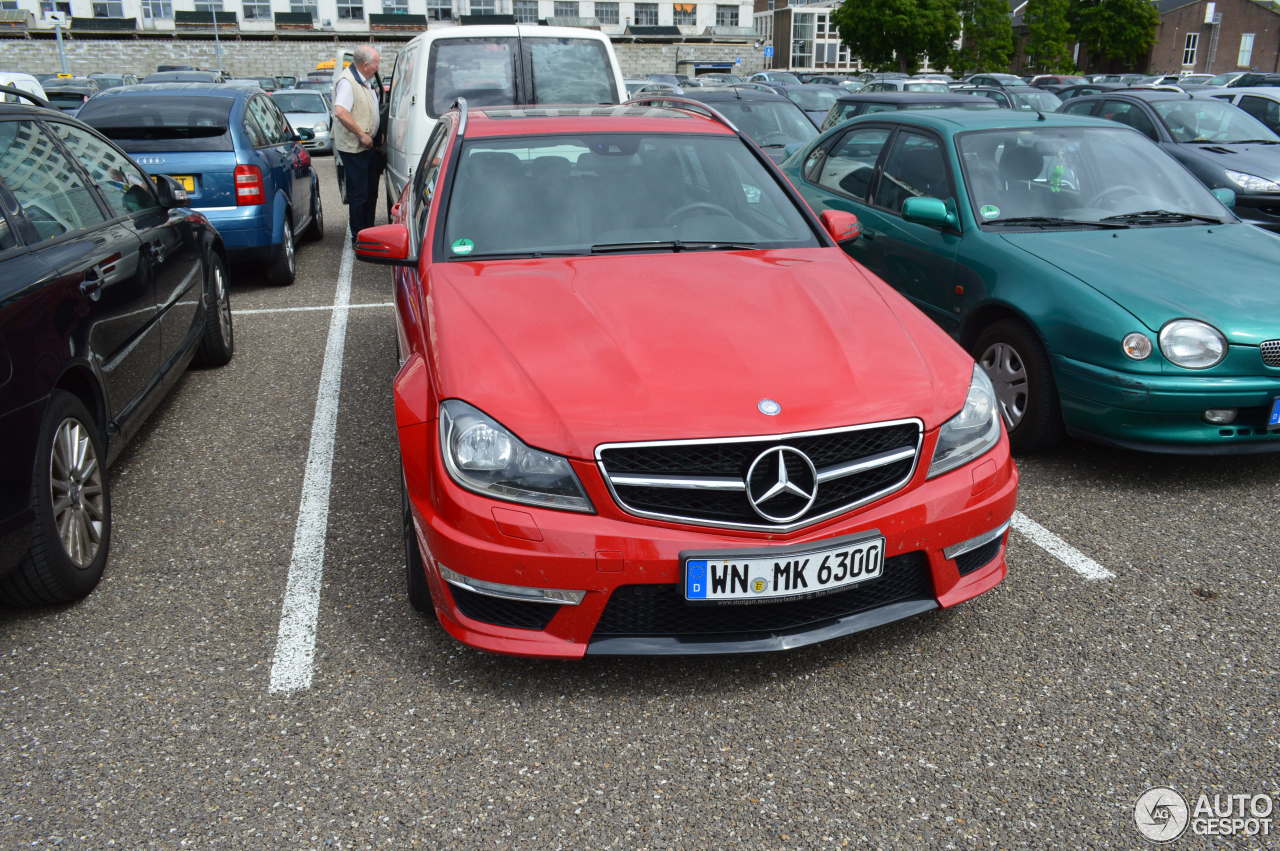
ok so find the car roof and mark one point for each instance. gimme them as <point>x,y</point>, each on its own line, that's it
<point>714,94</point>
<point>1141,94</point>
<point>903,97</point>
<point>1267,91</point>
<point>542,119</point>
<point>951,121</point>
<point>213,90</point>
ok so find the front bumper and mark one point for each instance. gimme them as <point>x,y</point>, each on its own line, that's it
<point>1260,210</point>
<point>629,567</point>
<point>1165,413</point>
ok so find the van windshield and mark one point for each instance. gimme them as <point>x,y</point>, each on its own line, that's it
<point>482,70</point>
<point>570,70</point>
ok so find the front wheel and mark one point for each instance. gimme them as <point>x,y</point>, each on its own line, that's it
<point>1018,366</point>
<point>71,532</point>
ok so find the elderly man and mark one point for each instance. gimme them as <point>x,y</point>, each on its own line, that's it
<point>355,106</point>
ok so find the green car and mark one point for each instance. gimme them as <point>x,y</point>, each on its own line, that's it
<point>1108,294</point>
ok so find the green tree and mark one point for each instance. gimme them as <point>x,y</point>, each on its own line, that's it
<point>898,33</point>
<point>1049,37</point>
<point>988,36</point>
<point>1121,31</point>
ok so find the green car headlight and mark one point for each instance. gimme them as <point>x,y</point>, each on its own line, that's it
<point>1192,344</point>
<point>481,455</point>
<point>971,432</point>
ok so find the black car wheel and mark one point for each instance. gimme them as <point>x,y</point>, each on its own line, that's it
<point>315,230</point>
<point>285,266</point>
<point>218,342</point>
<point>71,533</point>
<point>1018,367</point>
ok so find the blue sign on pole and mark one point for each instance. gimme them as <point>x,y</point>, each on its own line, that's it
<point>768,51</point>
<point>737,60</point>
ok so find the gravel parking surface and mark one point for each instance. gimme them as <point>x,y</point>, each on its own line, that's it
<point>1033,716</point>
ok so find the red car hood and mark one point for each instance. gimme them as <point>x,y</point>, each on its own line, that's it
<point>572,352</point>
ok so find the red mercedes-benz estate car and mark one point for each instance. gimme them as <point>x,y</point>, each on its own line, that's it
<point>647,405</point>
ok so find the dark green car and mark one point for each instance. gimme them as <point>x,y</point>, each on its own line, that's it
<point>1107,293</point>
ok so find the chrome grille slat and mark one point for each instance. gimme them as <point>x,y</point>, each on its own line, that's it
<point>685,481</point>
<point>1271,352</point>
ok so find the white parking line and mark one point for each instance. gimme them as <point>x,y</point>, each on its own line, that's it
<point>1059,549</point>
<point>256,310</point>
<point>296,645</point>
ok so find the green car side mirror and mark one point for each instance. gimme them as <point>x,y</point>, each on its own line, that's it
<point>928,211</point>
<point>1226,196</point>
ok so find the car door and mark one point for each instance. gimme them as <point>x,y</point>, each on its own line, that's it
<point>294,159</point>
<point>1127,112</point>
<point>103,301</point>
<point>915,259</point>
<point>271,155</point>
<point>168,252</point>
<point>1265,109</point>
<point>840,175</point>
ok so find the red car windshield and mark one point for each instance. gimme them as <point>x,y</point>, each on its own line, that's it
<point>596,193</point>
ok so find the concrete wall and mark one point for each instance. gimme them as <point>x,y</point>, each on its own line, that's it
<point>141,56</point>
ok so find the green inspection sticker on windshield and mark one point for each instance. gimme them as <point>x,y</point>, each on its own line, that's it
<point>463,246</point>
<point>989,211</point>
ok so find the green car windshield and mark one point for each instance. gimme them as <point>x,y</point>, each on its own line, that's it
<point>1077,175</point>
<point>1203,120</point>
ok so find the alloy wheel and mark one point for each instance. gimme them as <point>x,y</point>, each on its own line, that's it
<point>75,489</point>
<point>222,304</point>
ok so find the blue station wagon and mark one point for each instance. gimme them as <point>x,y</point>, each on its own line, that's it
<point>234,152</point>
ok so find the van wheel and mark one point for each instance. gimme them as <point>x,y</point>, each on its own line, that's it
<point>217,343</point>
<point>285,266</point>
<point>1018,367</point>
<point>71,533</point>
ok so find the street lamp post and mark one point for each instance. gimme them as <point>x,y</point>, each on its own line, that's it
<point>57,34</point>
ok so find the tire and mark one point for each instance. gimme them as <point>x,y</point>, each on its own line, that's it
<point>53,571</point>
<point>218,342</point>
<point>415,578</point>
<point>284,268</point>
<point>315,230</point>
<point>1018,366</point>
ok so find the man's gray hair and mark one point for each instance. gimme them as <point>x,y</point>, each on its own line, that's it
<point>364,54</point>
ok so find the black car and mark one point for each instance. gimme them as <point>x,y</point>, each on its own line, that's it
<point>997,80</point>
<point>109,287</point>
<point>111,81</point>
<point>1066,93</point>
<point>1224,146</point>
<point>1015,97</point>
<point>848,106</point>
<point>770,120</point>
<point>70,93</point>
<point>815,99</point>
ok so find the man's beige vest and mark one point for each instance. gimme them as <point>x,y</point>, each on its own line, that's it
<point>364,109</point>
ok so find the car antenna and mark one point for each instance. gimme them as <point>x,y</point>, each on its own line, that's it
<point>1039,115</point>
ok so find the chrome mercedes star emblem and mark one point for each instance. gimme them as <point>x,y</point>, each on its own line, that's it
<point>769,408</point>
<point>778,482</point>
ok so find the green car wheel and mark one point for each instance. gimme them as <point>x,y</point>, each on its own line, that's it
<point>1017,365</point>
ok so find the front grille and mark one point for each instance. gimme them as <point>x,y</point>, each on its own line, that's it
<point>500,612</point>
<point>639,610</point>
<point>1271,352</point>
<point>730,460</point>
<point>981,557</point>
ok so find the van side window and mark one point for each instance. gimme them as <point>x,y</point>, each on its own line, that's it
<point>482,70</point>
<point>402,81</point>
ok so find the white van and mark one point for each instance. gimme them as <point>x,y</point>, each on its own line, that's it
<point>22,82</point>
<point>490,66</point>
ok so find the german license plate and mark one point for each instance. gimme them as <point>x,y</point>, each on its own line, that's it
<point>1273,421</point>
<point>744,576</point>
<point>188,182</point>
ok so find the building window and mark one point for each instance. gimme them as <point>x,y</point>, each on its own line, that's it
<point>257,10</point>
<point>395,7</point>
<point>440,10</point>
<point>1246,50</point>
<point>1189,51</point>
<point>483,7</point>
<point>802,41</point>
<point>726,16</point>
<point>350,10</point>
<point>685,14</point>
<point>208,5</point>
<point>647,14</point>
<point>305,7</point>
<point>109,9</point>
<point>566,9</point>
<point>47,6</point>
<point>526,11</point>
<point>9,5</point>
<point>152,9</point>
<point>607,13</point>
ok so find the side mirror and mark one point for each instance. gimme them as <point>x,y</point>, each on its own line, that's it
<point>1226,196</point>
<point>306,134</point>
<point>169,191</point>
<point>842,226</point>
<point>928,211</point>
<point>386,245</point>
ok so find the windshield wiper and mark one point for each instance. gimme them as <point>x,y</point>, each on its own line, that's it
<point>512,255</point>
<point>671,245</point>
<point>1054,221</point>
<point>1252,142</point>
<point>1162,216</point>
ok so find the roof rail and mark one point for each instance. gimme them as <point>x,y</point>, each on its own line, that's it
<point>461,105</point>
<point>36,99</point>
<point>684,103</point>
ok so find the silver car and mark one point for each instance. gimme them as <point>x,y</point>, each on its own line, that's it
<point>308,109</point>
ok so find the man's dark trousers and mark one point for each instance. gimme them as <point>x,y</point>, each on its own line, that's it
<point>362,191</point>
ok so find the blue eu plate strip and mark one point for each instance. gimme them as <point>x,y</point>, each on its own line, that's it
<point>1274,419</point>
<point>695,580</point>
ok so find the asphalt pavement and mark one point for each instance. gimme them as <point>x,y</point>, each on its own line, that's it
<point>1032,717</point>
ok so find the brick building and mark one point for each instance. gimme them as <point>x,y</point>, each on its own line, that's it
<point>1216,36</point>
<point>802,36</point>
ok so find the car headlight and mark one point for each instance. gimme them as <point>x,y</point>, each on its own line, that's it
<point>321,128</point>
<point>483,456</point>
<point>971,432</point>
<point>1192,344</point>
<point>1252,183</point>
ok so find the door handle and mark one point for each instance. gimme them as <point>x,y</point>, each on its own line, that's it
<point>869,235</point>
<point>92,283</point>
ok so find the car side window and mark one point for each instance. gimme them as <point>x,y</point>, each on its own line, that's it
<point>1130,114</point>
<point>257,136</point>
<point>916,167</point>
<point>276,125</point>
<point>1085,108</point>
<point>44,182</point>
<point>260,113</point>
<point>424,182</point>
<point>7,238</point>
<point>851,163</point>
<point>877,107</point>
<point>125,187</point>
<point>1265,110</point>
